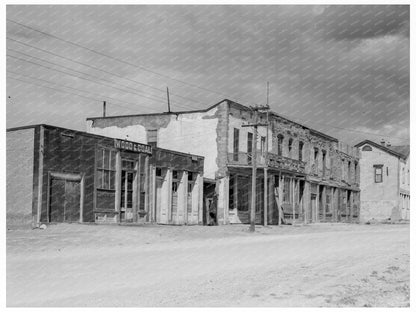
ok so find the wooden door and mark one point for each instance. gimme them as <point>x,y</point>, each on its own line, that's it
<point>159,183</point>
<point>72,201</point>
<point>312,215</point>
<point>189,202</point>
<point>57,200</point>
<point>64,200</point>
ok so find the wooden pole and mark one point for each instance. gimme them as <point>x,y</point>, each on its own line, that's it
<point>254,166</point>
<point>266,164</point>
<point>167,92</point>
<point>254,178</point>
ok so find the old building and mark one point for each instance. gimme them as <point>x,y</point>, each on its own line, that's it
<point>303,175</point>
<point>385,181</point>
<point>62,175</point>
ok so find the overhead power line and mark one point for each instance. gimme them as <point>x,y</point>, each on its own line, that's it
<point>69,74</point>
<point>102,70</point>
<point>168,77</point>
<point>79,90</point>
<point>114,58</point>
<point>79,72</point>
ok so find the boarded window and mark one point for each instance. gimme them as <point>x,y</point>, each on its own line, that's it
<point>236,143</point>
<point>152,137</point>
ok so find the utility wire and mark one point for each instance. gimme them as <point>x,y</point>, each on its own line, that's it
<point>80,72</point>
<point>114,58</point>
<point>102,70</point>
<point>69,74</point>
<point>157,98</point>
<point>156,73</point>
<point>79,90</point>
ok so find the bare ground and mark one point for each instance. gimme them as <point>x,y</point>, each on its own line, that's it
<point>322,265</point>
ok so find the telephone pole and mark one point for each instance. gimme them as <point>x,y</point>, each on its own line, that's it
<point>254,165</point>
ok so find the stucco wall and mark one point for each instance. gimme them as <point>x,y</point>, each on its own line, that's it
<point>379,210</point>
<point>135,133</point>
<point>188,133</point>
<point>193,133</point>
<point>19,186</point>
<point>386,190</point>
<point>379,201</point>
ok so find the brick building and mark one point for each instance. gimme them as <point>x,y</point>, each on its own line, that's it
<point>305,176</point>
<point>385,181</point>
<point>62,175</point>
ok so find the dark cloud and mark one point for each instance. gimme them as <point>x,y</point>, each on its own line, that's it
<point>341,65</point>
<point>347,22</point>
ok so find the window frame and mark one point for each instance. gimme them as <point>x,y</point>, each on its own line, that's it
<point>106,169</point>
<point>280,139</point>
<point>300,151</point>
<point>376,174</point>
<point>236,144</point>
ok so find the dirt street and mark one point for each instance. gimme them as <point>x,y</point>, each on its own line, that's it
<point>330,265</point>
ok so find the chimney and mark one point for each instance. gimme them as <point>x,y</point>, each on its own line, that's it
<point>382,142</point>
<point>388,144</point>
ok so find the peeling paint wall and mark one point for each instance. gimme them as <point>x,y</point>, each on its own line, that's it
<point>194,133</point>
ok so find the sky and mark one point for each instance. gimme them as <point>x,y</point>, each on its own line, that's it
<point>343,70</point>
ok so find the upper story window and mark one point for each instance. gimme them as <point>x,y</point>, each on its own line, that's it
<point>152,137</point>
<point>349,171</point>
<point>300,150</point>
<point>249,147</point>
<point>263,145</point>
<point>356,172</point>
<point>289,145</point>
<point>378,173</point>
<point>280,145</point>
<point>315,155</point>
<point>236,143</point>
<point>323,161</point>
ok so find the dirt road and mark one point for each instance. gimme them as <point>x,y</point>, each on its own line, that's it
<point>321,265</point>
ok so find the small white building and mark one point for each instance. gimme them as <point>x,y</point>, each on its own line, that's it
<point>385,181</point>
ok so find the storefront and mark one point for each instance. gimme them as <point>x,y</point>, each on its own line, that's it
<point>73,176</point>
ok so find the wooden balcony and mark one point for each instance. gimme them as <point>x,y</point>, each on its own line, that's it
<point>274,161</point>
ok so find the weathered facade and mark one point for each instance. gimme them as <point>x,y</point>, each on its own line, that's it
<point>62,175</point>
<point>385,181</point>
<point>303,175</point>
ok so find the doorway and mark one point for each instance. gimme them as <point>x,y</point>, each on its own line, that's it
<point>64,199</point>
<point>128,176</point>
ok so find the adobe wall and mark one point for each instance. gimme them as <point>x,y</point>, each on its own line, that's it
<point>19,169</point>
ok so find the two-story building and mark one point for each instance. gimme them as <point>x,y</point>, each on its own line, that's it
<point>385,181</point>
<point>303,175</point>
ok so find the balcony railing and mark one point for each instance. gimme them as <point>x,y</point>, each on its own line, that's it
<point>274,161</point>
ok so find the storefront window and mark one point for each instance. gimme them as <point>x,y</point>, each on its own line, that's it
<point>106,169</point>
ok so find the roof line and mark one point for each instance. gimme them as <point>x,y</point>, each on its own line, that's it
<point>384,148</point>
<point>161,114</point>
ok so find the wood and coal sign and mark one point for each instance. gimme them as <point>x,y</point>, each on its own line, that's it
<point>133,147</point>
